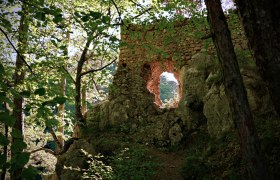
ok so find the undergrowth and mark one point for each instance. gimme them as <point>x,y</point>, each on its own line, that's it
<point>132,163</point>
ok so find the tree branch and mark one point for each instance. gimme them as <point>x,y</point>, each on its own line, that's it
<point>55,138</point>
<point>44,149</point>
<point>65,148</point>
<point>21,57</point>
<point>137,4</point>
<point>69,74</point>
<point>143,12</point>
<point>95,70</point>
<point>119,13</point>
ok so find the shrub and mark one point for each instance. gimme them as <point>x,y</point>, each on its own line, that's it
<point>132,163</point>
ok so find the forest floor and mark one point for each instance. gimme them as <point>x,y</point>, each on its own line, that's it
<point>170,164</point>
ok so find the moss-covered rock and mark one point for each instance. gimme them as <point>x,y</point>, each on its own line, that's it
<point>74,158</point>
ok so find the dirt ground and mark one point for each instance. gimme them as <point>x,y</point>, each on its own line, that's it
<point>170,165</point>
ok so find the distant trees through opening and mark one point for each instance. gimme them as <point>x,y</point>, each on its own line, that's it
<point>163,81</point>
<point>169,90</point>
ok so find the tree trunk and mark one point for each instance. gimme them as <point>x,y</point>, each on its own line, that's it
<point>84,96</point>
<point>61,107</point>
<point>84,99</point>
<point>78,107</point>
<point>18,80</point>
<point>262,27</point>
<point>235,91</point>
<point>61,111</point>
<point>5,148</point>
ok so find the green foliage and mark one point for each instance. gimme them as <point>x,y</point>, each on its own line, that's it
<point>7,119</point>
<point>133,163</point>
<point>245,59</point>
<point>195,168</point>
<point>3,140</point>
<point>40,91</point>
<point>268,131</point>
<point>19,160</point>
<point>209,158</point>
<point>96,170</point>
<point>29,173</point>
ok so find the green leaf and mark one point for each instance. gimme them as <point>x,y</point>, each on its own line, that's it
<point>40,91</point>
<point>25,93</point>
<point>95,15</point>
<point>41,2</point>
<point>3,140</point>
<point>113,38</point>
<point>63,47</point>
<point>27,110</point>
<point>85,18</point>
<point>48,103</point>
<point>29,173</point>
<point>57,18</point>
<point>5,23</point>
<point>77,14</point>
<point>60,99</point>
<point>40,16</point>
<point>2,69</point>
<point>7,119</point>
<point>105,19</point>
<point>20,160</point>
<point>16,133</point>
<point>54,43</point>
<point>52,122</point>
<point>2,160</point>
<point>18,145</point>
<point>3,98</point>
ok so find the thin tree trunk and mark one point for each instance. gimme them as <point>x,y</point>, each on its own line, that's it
<point>5,149</point>
<point>84,97</point>
<point>262,27</point>
<point>78,107</point>
<point>18,80</point>
<point>235,91</point>
<point>61,107</point>
<point>61,111</point>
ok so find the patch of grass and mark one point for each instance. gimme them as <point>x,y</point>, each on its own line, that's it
<point>209,158</point>
<point>132,163</point>
<point>195,168</point>
<point>245,59</point>
<point>268,131</point>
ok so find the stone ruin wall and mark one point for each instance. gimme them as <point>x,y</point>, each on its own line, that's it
<point>131,111</point>
<point>148,51</point>
<point>134,96</point>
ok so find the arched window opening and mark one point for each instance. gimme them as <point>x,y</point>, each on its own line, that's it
<point>169,90</point>
<point>163,81</point>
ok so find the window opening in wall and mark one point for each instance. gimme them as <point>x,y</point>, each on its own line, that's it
<point>169,90</point>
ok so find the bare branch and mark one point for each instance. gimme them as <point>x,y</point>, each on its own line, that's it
<point>68,74</point>
<point>137,4</point>
<point>64,149</point>
<point>143,12</point>
<point>55,138</point>
<point>143,7</point>
<point>96,87</point>
<point>95,70</point>
<point>44,149</point>
<point>21,57</point>
<point>119,13</point>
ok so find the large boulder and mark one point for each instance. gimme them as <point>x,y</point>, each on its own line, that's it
<point>216,110</point>
<point>73,159</point>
